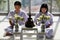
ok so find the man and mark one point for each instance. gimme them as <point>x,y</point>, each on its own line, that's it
<point>18,11</point>
<point>44,10</point>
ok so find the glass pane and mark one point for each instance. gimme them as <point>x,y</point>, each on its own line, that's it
<point>23,2</point>
<point>11,3</point>
<point>35,5</point>
<point>25,5</point>
<point>3,6</point>
<point>55,6</point>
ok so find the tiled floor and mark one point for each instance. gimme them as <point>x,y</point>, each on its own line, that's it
<point>56,26</point>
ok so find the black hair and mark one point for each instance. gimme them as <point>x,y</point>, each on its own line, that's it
<point>44,6</point>
<point>17,3</point>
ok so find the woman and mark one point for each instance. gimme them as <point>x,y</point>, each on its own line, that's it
<point>48,23</point>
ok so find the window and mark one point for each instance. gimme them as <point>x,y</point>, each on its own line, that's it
<point>3,6</point>
<point>11,3</point>
<point>53,5</point>
<point>56,6</point>
<point>35,5</point>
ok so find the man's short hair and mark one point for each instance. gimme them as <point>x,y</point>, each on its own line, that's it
<point>17,3</point>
